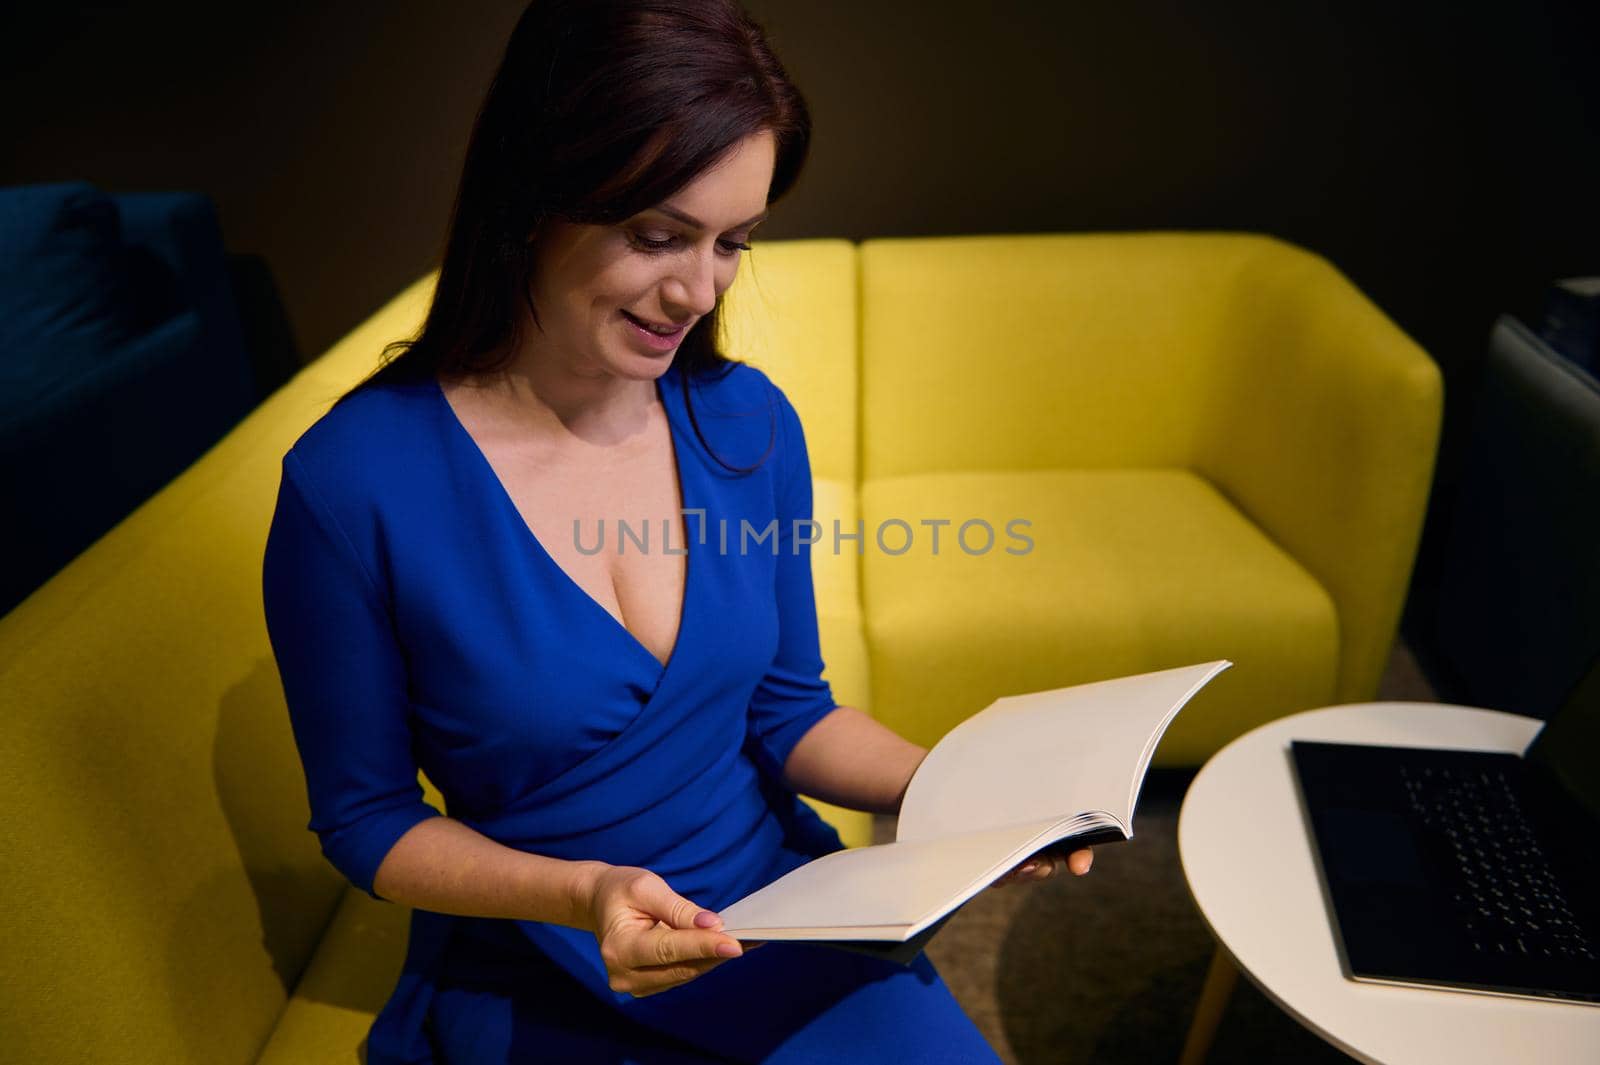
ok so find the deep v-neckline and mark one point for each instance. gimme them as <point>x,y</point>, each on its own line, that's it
<point>504,500</point>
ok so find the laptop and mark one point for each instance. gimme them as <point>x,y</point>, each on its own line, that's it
<point>1462,869</point>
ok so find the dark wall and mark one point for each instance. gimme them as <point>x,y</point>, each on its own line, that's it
<point>1442,155</point>
<point>329,136</point>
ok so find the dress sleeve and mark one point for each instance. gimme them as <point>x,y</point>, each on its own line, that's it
<point>344,680</point>
<point>792,696</point>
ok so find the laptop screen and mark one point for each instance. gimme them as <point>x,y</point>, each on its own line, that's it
<point>1568,747</point>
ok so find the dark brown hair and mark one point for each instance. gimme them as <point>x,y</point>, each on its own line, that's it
<point>600,109</point>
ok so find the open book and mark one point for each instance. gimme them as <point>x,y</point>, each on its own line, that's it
<point>1026,772</point>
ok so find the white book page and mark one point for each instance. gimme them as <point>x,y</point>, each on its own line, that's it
<point>864,891</point>
<point>1048,755</point>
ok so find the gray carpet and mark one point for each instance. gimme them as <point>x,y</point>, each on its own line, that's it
<point>1107,968</point>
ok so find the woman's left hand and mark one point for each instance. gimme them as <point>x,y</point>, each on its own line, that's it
<point>1042,866</point>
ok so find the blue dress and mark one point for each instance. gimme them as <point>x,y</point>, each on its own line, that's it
<point>417,622</point>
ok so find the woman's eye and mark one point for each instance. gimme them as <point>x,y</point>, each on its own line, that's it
<point>729,247</point>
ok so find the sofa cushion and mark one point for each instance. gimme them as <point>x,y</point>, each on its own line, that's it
<point>71,290</point>
<point>112,433</point>
<point>60,248</point>
<point>1128,571</point>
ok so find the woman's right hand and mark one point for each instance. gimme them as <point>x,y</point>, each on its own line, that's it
<point>651,938</point>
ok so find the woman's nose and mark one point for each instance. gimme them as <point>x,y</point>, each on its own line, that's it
<point>693,290</point>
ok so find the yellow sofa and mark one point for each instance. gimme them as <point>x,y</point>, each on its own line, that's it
<point>1220,447</point>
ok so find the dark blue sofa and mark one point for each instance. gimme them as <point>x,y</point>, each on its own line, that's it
<point>1516,621</point>
<point>121,362</point>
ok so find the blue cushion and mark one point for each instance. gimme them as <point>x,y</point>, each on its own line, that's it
<point>29,418</point>
<point>76,460</point>
<point>71,290</point>
<point>121,360</point>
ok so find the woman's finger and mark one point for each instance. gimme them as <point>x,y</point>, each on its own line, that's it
<point>1045,864</point>
<point>655,978</point>
<point>664,946</point>
<point>1028,870</point>
<point>1076,860</point>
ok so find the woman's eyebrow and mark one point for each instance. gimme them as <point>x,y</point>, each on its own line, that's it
<point>690,220</point>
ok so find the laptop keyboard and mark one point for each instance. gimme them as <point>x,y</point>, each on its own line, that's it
<point>1512,902</point>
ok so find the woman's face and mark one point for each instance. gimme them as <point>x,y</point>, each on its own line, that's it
<point>595,285</point>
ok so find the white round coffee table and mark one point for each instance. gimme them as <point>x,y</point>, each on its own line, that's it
<point>1247,855</point>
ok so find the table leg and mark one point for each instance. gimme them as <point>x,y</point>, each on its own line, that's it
<point>1220,980</point>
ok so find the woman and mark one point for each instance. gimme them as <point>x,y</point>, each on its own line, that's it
<point>620,735</point>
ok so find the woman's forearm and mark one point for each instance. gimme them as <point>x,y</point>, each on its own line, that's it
<point>851,760</point>
<point>442,865</point>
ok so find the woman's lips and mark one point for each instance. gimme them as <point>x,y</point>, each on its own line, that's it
<point>655,341</point>
<point>660,327</point>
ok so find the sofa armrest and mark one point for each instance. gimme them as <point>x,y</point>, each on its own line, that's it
<point>1324,433</point>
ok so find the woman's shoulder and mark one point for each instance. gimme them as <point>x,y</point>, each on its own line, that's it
<point>739,389</point>
<point>744,408</point>
<point>367,437</point>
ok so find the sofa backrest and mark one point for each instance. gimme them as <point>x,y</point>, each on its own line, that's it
<point>1068,341</point>
<point>162,893</point>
